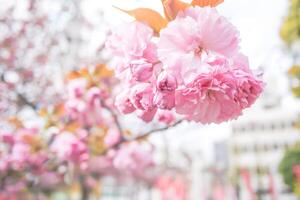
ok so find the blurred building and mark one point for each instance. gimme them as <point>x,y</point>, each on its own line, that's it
<point>258,142</point>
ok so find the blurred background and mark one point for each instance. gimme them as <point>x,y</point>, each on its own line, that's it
<point>256,156</point>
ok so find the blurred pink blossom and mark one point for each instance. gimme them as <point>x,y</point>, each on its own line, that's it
<point>68,147</point>
<point>133,157</point>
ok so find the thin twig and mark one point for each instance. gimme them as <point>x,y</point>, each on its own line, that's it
<point>155,131</point>
<point>25,101</point>
<point>114,115</point>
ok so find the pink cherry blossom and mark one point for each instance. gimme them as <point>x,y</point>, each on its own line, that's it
<point>112,137</point>
<point>132,41</point>
<point>84,104</point>
<point>248,88</point>
<point>93,97</point>
<point>68,147</point>
<point>199,69</point>
<point>166,82</point>
<point>141,70</point>
<point>141,96</point>
<point>76,88</point>
<point>123,103</point>
<point>218,96</point>
<point>147,115</point>
<point>192,37</point>
<point>7,137</point>
<point>166,117</point>
<point>164,100</point>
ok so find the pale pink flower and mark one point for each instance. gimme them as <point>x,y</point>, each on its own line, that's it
<point>84,105</point>
<point>76,88</point>
<point>200,70</point>
<point>164,100</point>
<point>164,97</point>
<point>191,38</point>
<point>68,147</point>
<point>240,61</point>
<point>248,88</point>
<point>132,41</point>
<point>19,155</point>
<point>217,96</point>
<point>166,82</point>
<point>141,96</point>
<point>123,103</point>
<point>147,115</point>
<point>112,137</point>
<point>75,108</point>
<point>93,97</point>
<point>166,117</point>
<point>141,70</point>
<point>186,100</point>
<point>7,138</point>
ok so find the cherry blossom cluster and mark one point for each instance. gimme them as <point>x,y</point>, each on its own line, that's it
<point>84,104</point>
<point>34,162</point>
<point>23,156</point>
<point>35,42</point>
<point>194,67</point>
<point>81,137</point>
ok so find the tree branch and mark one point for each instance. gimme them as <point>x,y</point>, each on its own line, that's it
<point>155,131</point>
<point>142,136</point>
<point>21,98</point>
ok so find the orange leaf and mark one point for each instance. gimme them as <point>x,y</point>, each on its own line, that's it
<point>85,73</point>
<point>203,3</point>
<point>43,112</point>
<point>172,7</point>
<point>59,110</point>
<point>102,71</point>
<point>16,122</point>
<point>73,75</point>
<point>151,17</point>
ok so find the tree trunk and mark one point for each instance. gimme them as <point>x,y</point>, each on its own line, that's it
<point>84,190</point>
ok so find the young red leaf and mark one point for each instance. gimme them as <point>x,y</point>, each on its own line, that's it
<point>172,7</point>
<point>203,3</point>
<point>151,17</point>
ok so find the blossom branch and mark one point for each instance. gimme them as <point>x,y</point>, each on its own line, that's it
<point>143,136</point>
